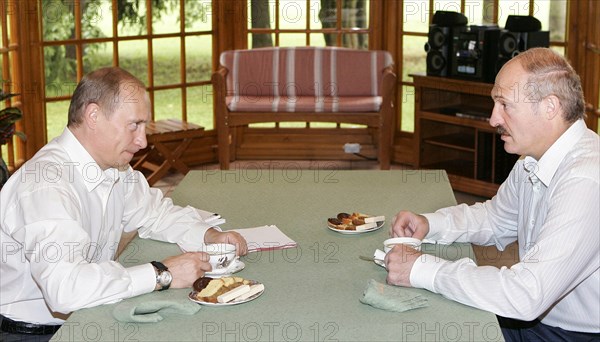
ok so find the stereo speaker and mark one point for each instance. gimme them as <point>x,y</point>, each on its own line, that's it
<point>522,23</point>
<point>447,18</point>
<point>444,26</point>
<point>475,52</point>
<point>512,43</point>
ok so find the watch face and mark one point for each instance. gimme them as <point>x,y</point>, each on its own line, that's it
<point>165,278</point>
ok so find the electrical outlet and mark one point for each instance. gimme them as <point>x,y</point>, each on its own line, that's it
<point>352,148</point>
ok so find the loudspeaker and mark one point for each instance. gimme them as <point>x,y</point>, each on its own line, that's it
<point>437,48</point>
<point>447,18</point>
<point>439,41</point>
<point>512,43</point>
<point>522,23</point>
<point>475,52</point>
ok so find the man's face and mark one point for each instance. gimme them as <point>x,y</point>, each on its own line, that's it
<point>515,112</point>
<point>123,133</point>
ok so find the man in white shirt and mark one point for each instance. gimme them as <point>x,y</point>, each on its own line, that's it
<point>63,213</point>
<point>549,204</point>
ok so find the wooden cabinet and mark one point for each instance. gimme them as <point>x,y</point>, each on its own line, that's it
<point>452,132</point>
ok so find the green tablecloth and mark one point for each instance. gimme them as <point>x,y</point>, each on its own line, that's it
<point>312,291</point>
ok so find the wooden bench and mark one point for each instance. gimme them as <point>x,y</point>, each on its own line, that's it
<point>304,84</point>
<point>167,141</point>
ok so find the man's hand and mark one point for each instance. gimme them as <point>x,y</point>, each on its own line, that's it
<point>186,268</point>
<point>231,237</point>
<point>409,224</point>
<point>399,262</point>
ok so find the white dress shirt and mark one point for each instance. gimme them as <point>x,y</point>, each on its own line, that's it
<point>61,219</point>
<point>551,207</point>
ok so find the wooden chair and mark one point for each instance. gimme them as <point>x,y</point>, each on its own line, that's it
<point>304,84</point>
<point>167,141</point>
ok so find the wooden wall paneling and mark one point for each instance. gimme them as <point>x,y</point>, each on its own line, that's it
<point>583,31</point>
<point>30,77</point>
<point>591,84</point>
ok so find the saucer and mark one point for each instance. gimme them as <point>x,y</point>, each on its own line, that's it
<point>235,267</point>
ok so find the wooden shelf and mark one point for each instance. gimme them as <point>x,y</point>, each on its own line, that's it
<point>456,141</point>
<point>453,133</point>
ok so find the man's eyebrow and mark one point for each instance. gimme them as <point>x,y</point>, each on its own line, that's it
<point>497,93</point>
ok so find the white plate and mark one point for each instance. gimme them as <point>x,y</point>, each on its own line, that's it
<point>235,267</point>
<point>351,232</point>
<point>192,297</point>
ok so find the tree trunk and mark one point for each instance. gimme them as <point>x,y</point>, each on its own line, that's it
<point>261,18</point>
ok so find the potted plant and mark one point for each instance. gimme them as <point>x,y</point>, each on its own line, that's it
<point>8,117</point>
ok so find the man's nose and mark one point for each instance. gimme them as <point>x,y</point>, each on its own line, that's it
<point>496,118</point>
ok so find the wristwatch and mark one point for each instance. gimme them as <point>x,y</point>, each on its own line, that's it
<point>163,276</point>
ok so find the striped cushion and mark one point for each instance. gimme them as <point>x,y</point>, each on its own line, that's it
<point>304,79</point>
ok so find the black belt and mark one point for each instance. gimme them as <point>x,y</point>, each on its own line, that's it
<point>16,327</point>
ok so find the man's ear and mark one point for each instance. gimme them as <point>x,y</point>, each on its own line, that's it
<point>90,115</point>
<point>551,106</point>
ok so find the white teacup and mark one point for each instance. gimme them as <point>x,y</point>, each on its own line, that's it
<point>221,254</point>
<point>412,242</point>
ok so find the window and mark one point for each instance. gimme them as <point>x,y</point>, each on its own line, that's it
<point>164,43</point>
<point>9,51</point>
<point>417,15</point>
<point>309,23</point>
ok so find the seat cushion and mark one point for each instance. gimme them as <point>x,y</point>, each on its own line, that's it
<point>303,104</point>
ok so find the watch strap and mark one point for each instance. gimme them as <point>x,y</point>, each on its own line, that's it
<point>159,266</point>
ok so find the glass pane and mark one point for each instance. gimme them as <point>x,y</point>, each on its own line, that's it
<point>261,13</point>
<point>96,19</point>
<point>131,16</point>
<point>60,68</point>
<point>292,39</point>
<point>167,61</point>
<point>315,13</point>
<point>258,40</point>
<point>446,5</point>
<point>317,39</point>
<point>198,15</point>
<point>198,58</point>
<point>416,16</point>
<point>292,14</point>
<point>200,106</point>
<point>559,49</point>
<point>166,19</point>
<point>511,7</point>
<point>96,56</point>
<point>133,57</point>
<point>56,118</point>
<point>408,109</point>
<point>58,20</point>
<point>167,104</point>
<point>355,14</point>
<point>553,15</point>
<point>479,12</point>
<point>356,41</point>
<point>413,57</point>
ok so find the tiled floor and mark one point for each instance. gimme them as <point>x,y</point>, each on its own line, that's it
<point>485,255</point>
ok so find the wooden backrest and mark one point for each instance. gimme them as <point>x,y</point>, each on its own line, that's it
<point>304,71</point>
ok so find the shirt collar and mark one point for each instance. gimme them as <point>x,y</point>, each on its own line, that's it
<point>81,160</point>
<point>545,168</point>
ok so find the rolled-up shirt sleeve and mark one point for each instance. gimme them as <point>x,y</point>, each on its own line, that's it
<point>156,217</point>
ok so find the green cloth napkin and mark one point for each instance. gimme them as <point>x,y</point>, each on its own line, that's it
<point>391,298</point>
<point>153,310</point>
